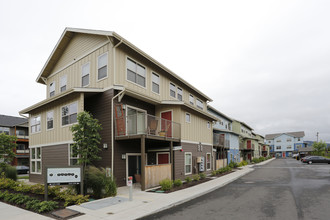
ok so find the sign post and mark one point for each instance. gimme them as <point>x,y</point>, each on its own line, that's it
<point>62,176</point>
<point>130,184</point>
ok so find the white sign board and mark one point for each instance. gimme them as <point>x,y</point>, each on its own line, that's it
<point>201,165</point>
<point>65,176</point>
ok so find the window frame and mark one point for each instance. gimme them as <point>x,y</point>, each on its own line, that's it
<point>185,164</point>
<point>172,90</point>
<point>65,84</point>
<point>136,72</point>
<point>208,162</point>
<point>61,111</point>
<point>36,160</point>
<point>31,132</point>
<point>5,130</point>
<point>187,113</point>
<point>52,88</point>
<point>70,156</point>
<point>169,159</point>
<point>82,74</point>
<point>193,99</point>
<point>177,92</point>
<point>152,74</point>
<point>97,67</point>
<point>202,104</point>
<point>208,125</point>
<point>48,129</point>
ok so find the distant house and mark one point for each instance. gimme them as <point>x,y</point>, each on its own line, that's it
<point>248,142</point>
<point>225,140</point>
<point>284,144</point>
<point>18,127</point>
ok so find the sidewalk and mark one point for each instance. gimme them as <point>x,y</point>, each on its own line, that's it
<point>143,204</point>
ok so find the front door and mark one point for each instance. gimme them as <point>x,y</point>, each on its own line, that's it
<point>166,125</point>
<point>134,167</point>
<point>249,156</point>
<point>283,154</point>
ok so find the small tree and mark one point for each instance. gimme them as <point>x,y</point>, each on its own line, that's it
<point>86,139</point>
<point>7,146</point>
<point>319,147</point>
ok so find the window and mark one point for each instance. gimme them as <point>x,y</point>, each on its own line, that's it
<point>63,81</point>
<point>289,147</point>
<point>163,158</point>
<point>191,99</point>
<point>179,94</point>
<point>172,90</point>
<point>35,123</point>
<point>199,104</point>
<point>136,73</point>
<point>69,114</point>
<point>208,161</point>
<point>269,142</point>
<point>19,132</point>
<point>188,163</point>
<point>36,160</point>
<point>102,66</point>
<point>298,139</point>
<point>85,71</point>
<point>50,120</point>
<point>208,125</point>
<point>188,117</point>
<point>51,89</point>
<point>4,130</point>
<point>298,146</point>
<point>278,141</point>
<point>289,140</point>
<point>73,156</point>
<point>155,83</point>
<point>278,147</point>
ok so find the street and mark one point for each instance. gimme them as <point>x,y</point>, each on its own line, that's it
<point>282,189</point>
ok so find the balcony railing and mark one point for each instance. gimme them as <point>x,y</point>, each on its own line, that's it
<point>142,123</point>
<point>218,140</point>
<point>23,151</point>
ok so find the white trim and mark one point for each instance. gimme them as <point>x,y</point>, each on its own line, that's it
<point>169,90</point>
<point>52,144</point>
<point>69,155</point>
<point>30,130</point>
<point>177,93</point>
<point>185,173</point>
<point>193,104</point>
<point>195,142</point>
<point>62,126</point>
<point>185,116</point>
<point>47,120</point>
<point>146,77</point>
<point>54,82</point>
<point>210,161</point>
<point>89,74</point>
<point>66,83</point>
<point>169,159</point>
<point>138,109</point>
<point>36,161</point>
<point>152,72</point>
<point>97,67</point>
<point>134,154</point>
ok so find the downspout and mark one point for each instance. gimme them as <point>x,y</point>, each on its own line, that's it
<point>112,130</point>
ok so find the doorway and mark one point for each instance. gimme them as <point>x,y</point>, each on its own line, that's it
<point>166,125</point>
<point>136,120</point>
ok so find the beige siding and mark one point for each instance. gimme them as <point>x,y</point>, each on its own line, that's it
<point>59,133</point>
<point>79,45</point>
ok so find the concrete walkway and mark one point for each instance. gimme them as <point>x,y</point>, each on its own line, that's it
<point>143,204</point>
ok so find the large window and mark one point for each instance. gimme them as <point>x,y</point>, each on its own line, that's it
<point>180,94</point>
<point>136,73</point>
<point>208,161</point>
<point>73,156</point>
<point>188,163</point>
<point>155,83</point>
<point>36,160</point>
<point>4,130</point>
<point>172,90</point>
<point>69,114</point>
<point>51,89</point>
<point>199,104</point>
<point>102,66</point>
<point>50,120</point>
<point>63,81</point>
<point>35,123</point>
<point>85,71</point>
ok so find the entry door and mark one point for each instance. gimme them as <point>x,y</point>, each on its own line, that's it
<point>249,156</point>
<point>283,154</point>
<point>166,125</point>
<point>134,167</point>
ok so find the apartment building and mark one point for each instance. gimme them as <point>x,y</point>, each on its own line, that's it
<point>263,148</point>
<point>283,144</point>
<point>155,124</point>
<point>17,126</point>
<point>225,140</point>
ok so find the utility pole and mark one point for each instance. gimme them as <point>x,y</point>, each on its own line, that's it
<point>317,136</point>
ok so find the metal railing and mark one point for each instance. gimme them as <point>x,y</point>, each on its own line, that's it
<point>142,123</point>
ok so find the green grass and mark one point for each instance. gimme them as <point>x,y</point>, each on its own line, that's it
<point>23,177</point>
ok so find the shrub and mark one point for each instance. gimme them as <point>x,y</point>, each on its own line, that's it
<point>196,177</point>
<point>202,176</point>
<point>188,179</point>
<point>110,187</point>
<point>11,172</point>
<point>233,164</point>
<point>214,173</point>
<point>166,184</point>
<point>177,182</point>
<point>37,189</point>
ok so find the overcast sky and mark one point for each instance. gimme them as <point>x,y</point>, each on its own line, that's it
<point>262,62</point>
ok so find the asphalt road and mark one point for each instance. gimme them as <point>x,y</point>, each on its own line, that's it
<point>282,189</point>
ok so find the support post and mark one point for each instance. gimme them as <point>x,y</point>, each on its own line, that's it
<point>143,162</point>
<point>172,160</point>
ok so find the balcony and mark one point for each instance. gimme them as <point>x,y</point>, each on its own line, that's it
<point>26,151</point>
<point>218,140</point>
<point>144,124</point>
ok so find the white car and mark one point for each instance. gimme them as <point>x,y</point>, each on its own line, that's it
<point>295,155</point>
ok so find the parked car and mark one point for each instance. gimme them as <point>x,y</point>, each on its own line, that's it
<point>301,159</point>
<point>22,169</point>
<point>316,159</point>
<point>295,155</point>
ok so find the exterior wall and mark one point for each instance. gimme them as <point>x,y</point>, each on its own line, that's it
<point>284,143</point>
<point>59,133</point>
<point>233,155</point>
<point>57,155</point>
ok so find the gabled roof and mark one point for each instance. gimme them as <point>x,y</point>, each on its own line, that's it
<point>11,121</point>
<point>297,134</point>
<point>243,124</point>
<point>209,107</point>
<point>68,34</point>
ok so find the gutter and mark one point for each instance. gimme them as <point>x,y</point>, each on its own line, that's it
<point>120,94</point>
<point>114,60</point>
